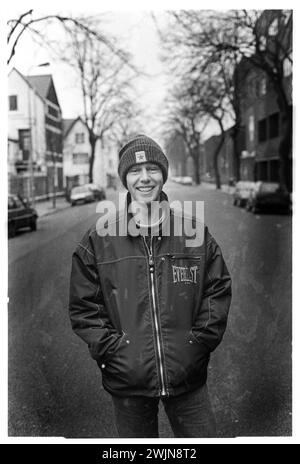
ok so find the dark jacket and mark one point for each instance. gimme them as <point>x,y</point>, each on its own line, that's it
<point>151,311</point>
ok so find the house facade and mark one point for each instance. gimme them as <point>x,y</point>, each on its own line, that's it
<point>259,110</point>
<point>35,166</point>
<point>77,152</point>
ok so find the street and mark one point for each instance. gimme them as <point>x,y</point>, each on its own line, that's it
<point>55,387</point>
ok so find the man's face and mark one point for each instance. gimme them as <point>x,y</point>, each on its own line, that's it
<point>145,182</point>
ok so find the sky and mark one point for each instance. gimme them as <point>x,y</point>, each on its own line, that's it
<point>136,33</point>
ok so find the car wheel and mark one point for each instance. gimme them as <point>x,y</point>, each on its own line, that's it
<point>73,203</point>
<point>234,202</point>
<point>248,206</point>
<point>33,224</point>
<point>12,229</point>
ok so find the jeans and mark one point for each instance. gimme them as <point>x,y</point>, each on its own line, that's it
<point>190,415</point>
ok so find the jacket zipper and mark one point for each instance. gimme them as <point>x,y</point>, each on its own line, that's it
<point>157,337</point>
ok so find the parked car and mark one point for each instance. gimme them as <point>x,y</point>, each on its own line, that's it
<point>99,192</point>
<point>81,194</point>
<point>20,215</point>
<point>186,180</point>
<point>242,192</point>
<point>268,197</point>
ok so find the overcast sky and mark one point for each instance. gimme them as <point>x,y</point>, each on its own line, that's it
<point>137,33</point>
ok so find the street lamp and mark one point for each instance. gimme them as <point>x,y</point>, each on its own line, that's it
<point>31,170</point>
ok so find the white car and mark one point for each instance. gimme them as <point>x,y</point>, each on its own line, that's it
<point>242,192</point>
<point>81,194</point>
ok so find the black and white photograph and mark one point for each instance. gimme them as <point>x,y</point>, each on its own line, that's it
<point>150,200</point>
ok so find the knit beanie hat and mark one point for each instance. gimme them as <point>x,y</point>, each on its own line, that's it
<point>141,149</point>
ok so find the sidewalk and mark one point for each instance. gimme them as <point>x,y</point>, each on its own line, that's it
<point>44,208</point>
<point>224,187</point>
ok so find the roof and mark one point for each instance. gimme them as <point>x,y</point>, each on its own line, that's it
<point>40,83</point>
<point>25,80</point>
<point>69,123</point>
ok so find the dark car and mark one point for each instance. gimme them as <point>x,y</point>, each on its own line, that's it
<point>20,215</point>
<point>268,197</point>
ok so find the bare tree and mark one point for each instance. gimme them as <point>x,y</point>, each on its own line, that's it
<point>105,82</point>
<point>183,118</point>
<point>210,100</point>
<point>189,53</point>
<point>27,23</point>
<point>264,39</point>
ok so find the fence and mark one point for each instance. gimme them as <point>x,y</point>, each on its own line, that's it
<point>43,188</point>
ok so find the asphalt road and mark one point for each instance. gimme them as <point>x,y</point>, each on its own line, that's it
<point>55,387</point>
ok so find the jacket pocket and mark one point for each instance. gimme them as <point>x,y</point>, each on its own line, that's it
<point>194,339</point>
<point>110,354</point>
<point>186,359</point>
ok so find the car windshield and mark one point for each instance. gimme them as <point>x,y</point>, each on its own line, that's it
<point>80,189</point>
<point>269,187</point>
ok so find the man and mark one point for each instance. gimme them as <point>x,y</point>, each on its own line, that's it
<point>150,307</point>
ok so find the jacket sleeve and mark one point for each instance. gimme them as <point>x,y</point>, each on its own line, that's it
<point>87,311</point>
<point>212,317</point>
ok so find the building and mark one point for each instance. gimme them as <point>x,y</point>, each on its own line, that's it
<point>259,110</point>
<point>35,165</point>
<point>77,152</point>
<point>181,164</point>
<point>225,158</point>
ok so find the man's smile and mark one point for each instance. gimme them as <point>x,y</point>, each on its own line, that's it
<point>145,189</point>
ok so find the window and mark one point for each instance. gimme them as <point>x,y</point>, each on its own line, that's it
<point>13,102</point>
<point>251,128</point>
<point>273,28</point>
<point>263,86</point>
<point>262,130</point>
<point>53,111</point>
<point>79,137</point>
<point>80,158</point>
<point>274,170</point>
<point>53,141</point>
<point>273,125</point>
<point>262,43</point>
<point>262,171</point>
<point>287,67</point>
<point>24,143</point>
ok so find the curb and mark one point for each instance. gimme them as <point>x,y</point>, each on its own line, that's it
<point>48,213</point>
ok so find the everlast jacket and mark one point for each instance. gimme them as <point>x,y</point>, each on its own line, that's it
<point>151,311</point>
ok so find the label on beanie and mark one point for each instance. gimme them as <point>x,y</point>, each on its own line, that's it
<point>140,157</point>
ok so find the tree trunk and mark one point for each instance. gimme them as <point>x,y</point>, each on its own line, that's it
<point>236,153</point>
<point>93,141</point>
<point>196,167</point>
<point>237,127</point>
<point>216,156</point>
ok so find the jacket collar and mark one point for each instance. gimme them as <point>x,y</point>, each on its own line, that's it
<point>154,231</point>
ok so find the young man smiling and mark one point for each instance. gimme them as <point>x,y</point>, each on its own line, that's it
<point>150,307</point>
